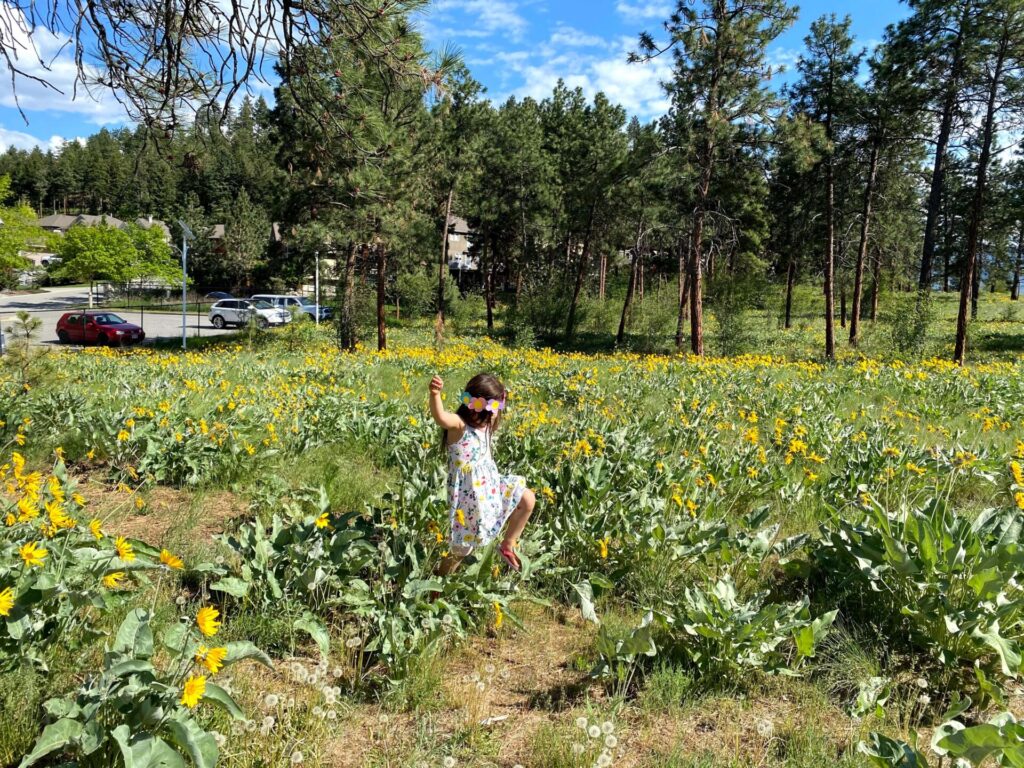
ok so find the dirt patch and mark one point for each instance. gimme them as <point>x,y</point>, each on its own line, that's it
<point>154,515</point>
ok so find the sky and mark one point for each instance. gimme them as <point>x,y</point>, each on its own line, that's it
<point>513,47</point>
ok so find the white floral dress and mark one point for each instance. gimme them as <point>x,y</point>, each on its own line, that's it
<point>480,499</point>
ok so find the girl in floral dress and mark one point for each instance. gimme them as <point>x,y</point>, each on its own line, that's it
<point>480,499</point>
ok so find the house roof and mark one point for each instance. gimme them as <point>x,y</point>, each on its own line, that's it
<point>56,221</point>
<point>217,232</point>
<point>91,221</point>
<point>458,225</point>
<point>148,222</point>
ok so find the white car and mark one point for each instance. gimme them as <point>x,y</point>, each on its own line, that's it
<point>238,311</point>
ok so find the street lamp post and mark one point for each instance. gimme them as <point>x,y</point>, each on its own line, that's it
<point>186,235</point>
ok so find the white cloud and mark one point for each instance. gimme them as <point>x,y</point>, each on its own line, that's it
<point>482,18</point>
<point>21,140</point>
<point>637,87</point>
<point>783,57</point>
<point>46,56</point>
<point>565,35</point>
<point>644,11</point>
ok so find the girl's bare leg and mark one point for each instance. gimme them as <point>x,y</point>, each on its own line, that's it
<point>448,564</point>
<point>519,518</point>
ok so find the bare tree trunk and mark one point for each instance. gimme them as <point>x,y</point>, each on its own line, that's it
<point>443,263</point>
<point>347,326</point>
<point>830,334</point>
<point>382,264</point>
<point>696,293</point>
<point>862,249</point>
<point>489,285</point>
<point>967,289</point>
<point>976,286</point>
<point>640,281</point>
<point>790,281</point>
<point>684,286</point>
<point>570,324</point>
<point>633,269</point>
<point>939,166</point>
<point>602,274</point>
<point>876,284</point>
<point>842,305</point>
<point>1015,287</point>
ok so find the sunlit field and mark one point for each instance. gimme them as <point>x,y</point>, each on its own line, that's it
<point>228,557</point>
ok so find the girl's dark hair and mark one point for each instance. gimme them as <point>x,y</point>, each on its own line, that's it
<point>489,387</point>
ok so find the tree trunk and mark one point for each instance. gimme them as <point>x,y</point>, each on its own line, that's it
<point>696,293</point>
<point>382,263</point>
<point>876,284</point>
<point>633,270</point>
<point>976,286</point>
<point>1015,287</point>
<point>570,324</point>
<point>842,305</point>
<point>684,286</point>
<point>489,285</point>
<point>602,275</point>
<point>862,249</point>
<point>939,166</point>
<point>830,334</point>
<point>443,263</point>
<point>790,281</point>
<point>967,289</point>
<point>347,327</point>
<point>640,281</point>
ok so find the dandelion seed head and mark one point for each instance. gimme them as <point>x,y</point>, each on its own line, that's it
<point>581,722</point>
<point>611,741</point>
<point>607,727</point>
<point>765,728</point>
<point>449,762</point>
<point>297,757</point>
<point>271,700</point>
<point>353,642</point>
<point>594,731</point>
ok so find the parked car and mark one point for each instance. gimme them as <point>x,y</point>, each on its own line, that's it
<point>238,311</point>
<point>218,295</point>
<point>300,303</point>
<point>97,326</point>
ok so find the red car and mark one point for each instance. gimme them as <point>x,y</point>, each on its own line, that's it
<point>96,326</point>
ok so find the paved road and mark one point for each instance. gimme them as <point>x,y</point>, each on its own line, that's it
<point>49,306</point>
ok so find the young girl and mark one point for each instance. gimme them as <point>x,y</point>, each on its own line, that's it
<point>480,500</point>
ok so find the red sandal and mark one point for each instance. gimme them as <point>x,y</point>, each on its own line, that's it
<point>508,554</point>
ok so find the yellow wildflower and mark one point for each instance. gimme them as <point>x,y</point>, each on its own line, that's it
<point>193,691</point>
<point>211,658</point>
<point>6,601</point>
<point>124,549</point>
<point>171,561</point>
<point>113,580</point>
<point>32,553</point>
<point>207,621</point>
<point>97,531</point>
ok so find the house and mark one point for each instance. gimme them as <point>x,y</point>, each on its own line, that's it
<point>60,223</point>
<point>459,245</point>
<point>149,222</point>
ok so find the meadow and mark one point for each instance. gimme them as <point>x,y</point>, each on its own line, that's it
<point>227,557</point>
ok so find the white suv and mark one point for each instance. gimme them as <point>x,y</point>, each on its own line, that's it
<point>301,304</point>
<point>238,311</point>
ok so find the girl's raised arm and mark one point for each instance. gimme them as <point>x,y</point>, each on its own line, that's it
<point>444,419</point>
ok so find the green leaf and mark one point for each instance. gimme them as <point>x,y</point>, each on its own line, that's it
<point>134,636</point>
<point>243,649</point>
<point>586,595</point>
<point>1009,656</point>
<point>219,696</point>
<point>309,624</point>
<point>232,586</point>
<point>197,743</point>
<point>55,736</point>
<point>145,751</point>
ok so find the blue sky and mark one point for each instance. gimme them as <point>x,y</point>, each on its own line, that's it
<point>514,47</point>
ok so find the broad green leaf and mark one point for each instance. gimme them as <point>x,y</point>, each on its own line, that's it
<point>199,745</point>
<point>309,624</point>
<point>54,737</point>
<point>232,586</point>
<point>243,649</point>
<point>221,697</point>
<point>134,636</point>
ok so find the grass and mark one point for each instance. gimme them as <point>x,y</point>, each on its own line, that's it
<point>536,682</point>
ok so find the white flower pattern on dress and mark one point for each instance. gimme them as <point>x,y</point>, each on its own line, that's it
<point>485,497</point>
